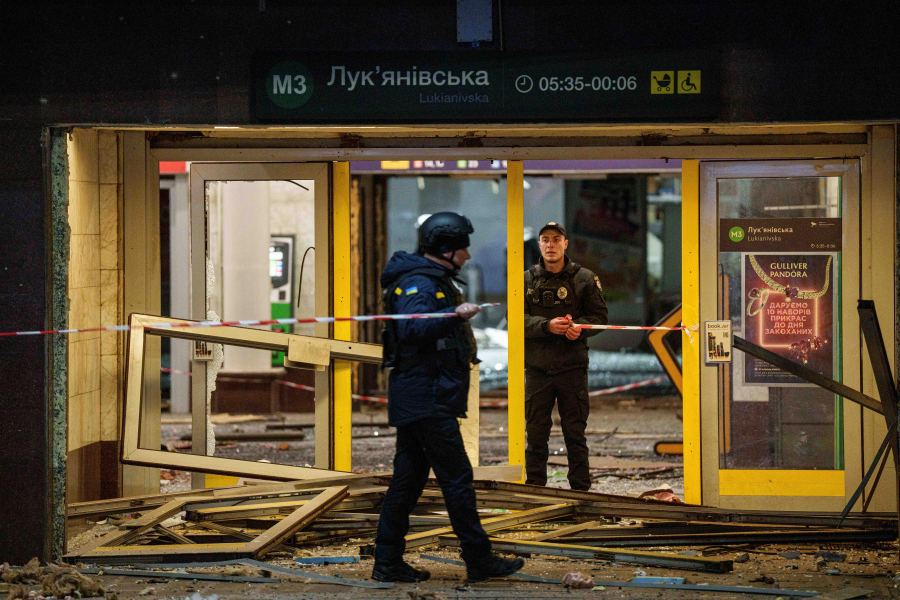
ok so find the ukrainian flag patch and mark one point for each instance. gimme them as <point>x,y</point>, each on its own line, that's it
<point>440,295</point>
<point>412,290</point>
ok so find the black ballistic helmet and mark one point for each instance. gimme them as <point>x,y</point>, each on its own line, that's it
<point>444,232</point>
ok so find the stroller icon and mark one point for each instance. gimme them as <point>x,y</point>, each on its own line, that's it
<point>664,83</point>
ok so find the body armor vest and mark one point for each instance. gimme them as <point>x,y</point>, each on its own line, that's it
<point>459,346</point>
<point>552,294</point>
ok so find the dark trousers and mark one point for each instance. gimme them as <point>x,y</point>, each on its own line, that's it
<point>433,443</point>
<point>568,390</point>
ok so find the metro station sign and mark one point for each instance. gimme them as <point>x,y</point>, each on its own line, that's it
<point>497,87</point>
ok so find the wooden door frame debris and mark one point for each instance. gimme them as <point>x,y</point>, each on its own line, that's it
<point>261,516</point>
<point>300,352</point>
<point>535,520</point>
<point>620,555</point>
<point>120,547</point>
<point>303,352</point>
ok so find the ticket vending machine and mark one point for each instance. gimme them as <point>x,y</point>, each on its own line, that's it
<point>281,273</point>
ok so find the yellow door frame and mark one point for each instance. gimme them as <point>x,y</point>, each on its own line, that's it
<point>342,452</point>
<point>846,142</point>
<point>690,309</point>
<point>795,489</point>
<point>515,299</point>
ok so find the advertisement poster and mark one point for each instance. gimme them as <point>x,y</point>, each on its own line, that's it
<point>789,309</point>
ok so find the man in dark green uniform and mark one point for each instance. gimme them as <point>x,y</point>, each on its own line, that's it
<point>559,295</point>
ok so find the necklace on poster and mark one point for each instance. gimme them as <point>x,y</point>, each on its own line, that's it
<point>758,298</point>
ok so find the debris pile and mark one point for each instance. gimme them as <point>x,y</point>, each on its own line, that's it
<point>34,581</point>
<point>243,524</point>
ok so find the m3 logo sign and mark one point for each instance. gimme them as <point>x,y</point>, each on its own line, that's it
<point>289,85</point>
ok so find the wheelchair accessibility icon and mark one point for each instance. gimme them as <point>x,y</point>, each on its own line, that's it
<point>688,82</point>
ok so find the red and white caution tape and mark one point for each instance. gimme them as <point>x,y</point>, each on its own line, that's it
<point>687,329</point>
<point>310,320</point>
<point>633,327</point>
<point>175,372</point>
<point>493,404</point>
<point>627,387</point>
<point>111,328</point>
<point>309,388</point>
<point>245,323</point>
<point>288,384</point>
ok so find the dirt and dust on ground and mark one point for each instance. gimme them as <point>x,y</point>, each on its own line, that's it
<point>621,436</point>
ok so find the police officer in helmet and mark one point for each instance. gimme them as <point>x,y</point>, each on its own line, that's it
<point>427,391</point>
<point>559,295</point>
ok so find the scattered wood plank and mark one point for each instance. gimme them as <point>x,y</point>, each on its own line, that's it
<point>711,587</point>
<point>254,436</point>
<point>249,521</point>
<point>302,574</point>
<point>235,533</point>
<point>297,520</point>
<point>115,548</point>
<point>614,463</point>
<point>638,557</point>
<point>173,535</point>
<point>566,531</point>
<point>244,511</point>
<point>158,574</point>
<point>776,536</point>
<point>498,472</point>
<point>548,493</point>
<point>686,512</point>
<point>132,504</point>
<point>216,418</point>
<point>544,513</point>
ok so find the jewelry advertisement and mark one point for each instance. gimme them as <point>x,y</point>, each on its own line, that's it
<point>788,306</point>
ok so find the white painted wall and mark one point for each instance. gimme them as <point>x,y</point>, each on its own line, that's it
<point>245,264</point>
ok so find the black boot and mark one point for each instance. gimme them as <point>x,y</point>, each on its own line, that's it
<point>401,572</point>
<point>492,566</point>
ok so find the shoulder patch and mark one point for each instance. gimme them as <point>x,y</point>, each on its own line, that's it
<point>439,294</point>
<point>398,291</point>
<point>412,290</point>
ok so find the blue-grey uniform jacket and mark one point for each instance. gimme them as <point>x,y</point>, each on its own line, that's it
<point>431,358</point>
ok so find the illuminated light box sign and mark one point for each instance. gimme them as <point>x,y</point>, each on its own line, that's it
<point>785,235</point>
<point>485,87</point>
<point>788,303</point>
<point>531,167</point>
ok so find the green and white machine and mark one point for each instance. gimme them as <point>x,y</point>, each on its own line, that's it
<point>281,272</point>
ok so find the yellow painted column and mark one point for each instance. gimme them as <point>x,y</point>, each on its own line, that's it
<point>515,304</point>
<point>690,308</point>
<point>341,274</point>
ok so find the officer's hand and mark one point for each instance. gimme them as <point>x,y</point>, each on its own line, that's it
<point>573,332</point>
<point>559,325</point>
<point>467,310</point>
